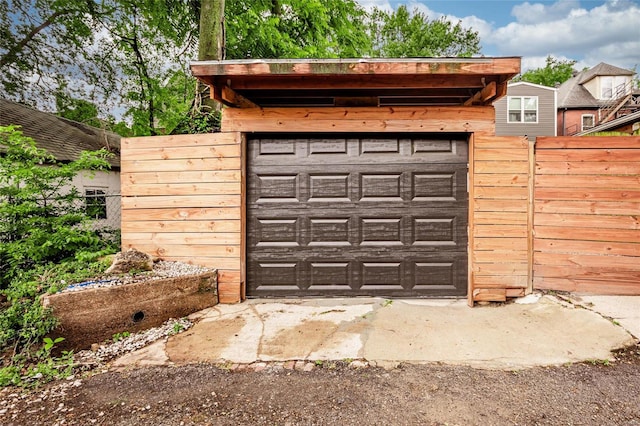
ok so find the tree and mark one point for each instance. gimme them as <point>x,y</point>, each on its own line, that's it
<point>211,25</point>
<point>144,58</point>
<point>42,41</point>
<point>131,56</point>
<point>40,217</point>
<point>295,29</point>
<point>119,54</point>
<point>554,73</point>
<point>402,34</point>
<point>78,110</point>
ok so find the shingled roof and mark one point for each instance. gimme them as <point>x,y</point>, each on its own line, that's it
<point>603,69</point>
<point>572,93</point>
<point>62,138</point>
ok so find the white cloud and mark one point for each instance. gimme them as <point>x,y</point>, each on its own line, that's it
<point>380,4</point>
<point>608,33</point>
<point>565,29</point>
<point>528,13</point>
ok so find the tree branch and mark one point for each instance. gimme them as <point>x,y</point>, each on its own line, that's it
<point>13,52</point>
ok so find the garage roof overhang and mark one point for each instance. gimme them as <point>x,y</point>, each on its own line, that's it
<point>357,82</point>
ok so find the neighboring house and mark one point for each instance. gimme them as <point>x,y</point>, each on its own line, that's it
<point>594,97</point>
<point>528,109</point>
<point>65,140</point>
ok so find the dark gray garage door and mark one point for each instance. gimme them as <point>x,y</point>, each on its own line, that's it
<point>366,215</point>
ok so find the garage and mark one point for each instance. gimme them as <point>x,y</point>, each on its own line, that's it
<point>342,177</point>
<point>357,215</point>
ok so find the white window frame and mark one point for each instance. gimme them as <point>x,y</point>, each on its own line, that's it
<point>522,110</point>
<point>96,194</point>
<point>593,120</point>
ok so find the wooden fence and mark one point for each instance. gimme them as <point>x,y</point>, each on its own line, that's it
<point>182,200</point>
<point>587,214</point>
<point>500,217</point>
<point>565,216</point>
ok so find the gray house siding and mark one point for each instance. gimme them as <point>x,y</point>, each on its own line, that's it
<point>546,125</point>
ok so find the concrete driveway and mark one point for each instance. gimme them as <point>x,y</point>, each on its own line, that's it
<point>534,331</point>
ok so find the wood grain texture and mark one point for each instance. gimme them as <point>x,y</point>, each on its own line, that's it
<point>587,215</point>
<point>589,220</point>
<point>596,181</point>
<point>310,68</point>
<point>182,200</point>
<point>593,168</point>
<point>501,216</point>
<point>592,155</point>
<point>168,189</point>
<point>597,142</point>
<point>172,141</point>
<point>623,288</point>
<point>164,153</point>
<point>603,248</point>
<point>359,119</point>
<point>492,180</point>
<point>182,177</point>
<point>587,207</point>
<point>180,214</point>
<point>201,226</point>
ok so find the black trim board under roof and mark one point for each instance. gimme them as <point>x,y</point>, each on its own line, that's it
<point>357,82</point>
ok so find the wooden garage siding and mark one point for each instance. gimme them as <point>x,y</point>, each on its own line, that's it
<point>500,218</point>
<point>587,214</point>
<point>182,200</point>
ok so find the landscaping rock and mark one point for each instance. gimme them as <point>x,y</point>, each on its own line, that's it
<point>130,260</point>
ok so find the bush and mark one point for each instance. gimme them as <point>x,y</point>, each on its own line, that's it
<point>46,241</point>
<point>41,220</point>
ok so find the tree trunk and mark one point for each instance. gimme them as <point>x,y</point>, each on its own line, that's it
<point>211,42</point>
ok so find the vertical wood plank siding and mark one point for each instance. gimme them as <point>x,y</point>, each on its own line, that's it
<point>500,218</point>
<point>587,214</point>
<point>182,200</point>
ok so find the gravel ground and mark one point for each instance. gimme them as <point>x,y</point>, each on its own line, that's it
<point>161,269</point>
<point>327,393</point>
<point>335,393</point>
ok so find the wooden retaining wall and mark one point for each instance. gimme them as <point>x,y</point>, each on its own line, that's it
<point>587,214</point>
<point>500,218</point>
<point>182,200</point>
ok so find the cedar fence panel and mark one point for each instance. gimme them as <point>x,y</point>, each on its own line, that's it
<point>182,200</point>
<point>587,214</point>
<point>499,218</point>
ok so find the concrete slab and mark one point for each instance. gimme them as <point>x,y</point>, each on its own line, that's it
<point>151,355</point>
<point>544,331</point>
<point>506,336</point>
<point>625,310</point>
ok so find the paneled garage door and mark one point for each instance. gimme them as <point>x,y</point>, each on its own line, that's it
<point>357,215</point>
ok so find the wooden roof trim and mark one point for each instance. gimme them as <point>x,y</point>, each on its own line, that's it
<point>354,82</point>
<point>370,81</point>
<point>315,67</point>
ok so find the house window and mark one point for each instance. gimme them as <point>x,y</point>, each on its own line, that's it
<point>523,109</point>
<point>95,203</point>
<point>588,121</point>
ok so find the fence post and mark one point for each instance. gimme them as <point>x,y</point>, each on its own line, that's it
<point>530,214</point>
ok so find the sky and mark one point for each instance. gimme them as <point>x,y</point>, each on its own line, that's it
<point>587,31</point>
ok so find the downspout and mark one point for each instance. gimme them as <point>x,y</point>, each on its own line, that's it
<point>564,127</point>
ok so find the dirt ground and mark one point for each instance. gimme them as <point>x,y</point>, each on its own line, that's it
<point>336,394</point>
